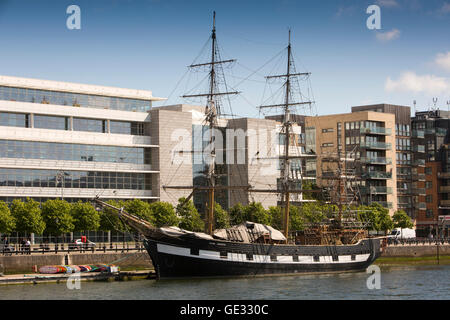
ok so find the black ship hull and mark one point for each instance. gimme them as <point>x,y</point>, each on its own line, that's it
<point>189,256</point>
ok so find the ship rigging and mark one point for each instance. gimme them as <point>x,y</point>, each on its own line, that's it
<point>250,248</point>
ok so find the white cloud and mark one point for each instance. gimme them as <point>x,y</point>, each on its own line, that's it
<point>388,35</point>
<point>411,82</point>
<point>443,60</point>
<point>387,3</point>
<point>445,8</point>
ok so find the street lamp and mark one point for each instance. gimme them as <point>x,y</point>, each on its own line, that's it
<point>60,178</point>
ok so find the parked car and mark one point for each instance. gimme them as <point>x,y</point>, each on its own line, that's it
<point>78,244</point>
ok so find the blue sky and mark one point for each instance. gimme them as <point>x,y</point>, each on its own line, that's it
<point>148,45</point>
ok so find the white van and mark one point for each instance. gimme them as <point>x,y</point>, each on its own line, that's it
<point>402,233</point>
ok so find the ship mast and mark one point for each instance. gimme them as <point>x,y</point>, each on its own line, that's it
<point>212,113</point>
<point>287,129</point>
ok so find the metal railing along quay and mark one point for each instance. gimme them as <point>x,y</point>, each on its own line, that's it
<point>68,248</point>
<point>418,242</point>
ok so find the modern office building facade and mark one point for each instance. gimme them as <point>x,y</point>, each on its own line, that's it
<point>74,141</point>
<point>78,141</point>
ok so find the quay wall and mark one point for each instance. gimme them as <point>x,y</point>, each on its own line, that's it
<point>25,263</point>
<point>415,250</point>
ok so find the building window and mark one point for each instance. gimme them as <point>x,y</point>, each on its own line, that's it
<point>428,184</point>
<point>329,144</point>
<point>89,125</point>
<point>327,130</point>
<point>429,213</point>
<point>429,198</point>
<point>73,99</point>
<point>74,152</point>
<point>123,127</point>
<point>51,122</point>
<point>74,179</point>
<point>428,170</point>
<point>9,119</point>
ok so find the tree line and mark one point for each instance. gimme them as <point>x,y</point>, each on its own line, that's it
<point>56,217</point>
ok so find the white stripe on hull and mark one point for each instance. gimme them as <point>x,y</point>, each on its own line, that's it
<point>239,257</point>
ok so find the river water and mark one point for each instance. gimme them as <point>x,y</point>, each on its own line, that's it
<point>399,282</point>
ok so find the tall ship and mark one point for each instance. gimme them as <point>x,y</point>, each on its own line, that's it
<point>253,249</point>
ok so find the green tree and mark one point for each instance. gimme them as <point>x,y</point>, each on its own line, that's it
<point>85,216</point>
<point>164,214</point>
<point>221,217</point>
<point>57,217</point>
<point>109,218</point>
<point>140,209</point>
<point>27,216</point>
<point>255,212</point>
<point>276,216</point>
<point>367,215</point>
<point>318,194</point>
<point>296,220</point>
<point>237,214</point>
<point>383,221</point>
<point>313,212</point>
<point>189,217</point>
<point>402,220</point>
<point>7,222</point>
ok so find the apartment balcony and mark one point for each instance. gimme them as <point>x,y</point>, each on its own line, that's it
<point>376,130</point>
<point>444,203</point>
<point>441,131</point>
<point>382,161</point>
<point>418,177</point>
<point>405,205</point>
<point>377,175</point>
<point>385,204</point>
<point>444,175</point>
<point>403,148</point>
<point>404,162</point>
<point>418,148</point>
<point>403,191</point>
<point>436,131</point>
<point>419,191</point>
<point>376,145</point>
<point>376,190</point>
<point>444,189</point>
<point>420,206</point>
<point>418,134</point>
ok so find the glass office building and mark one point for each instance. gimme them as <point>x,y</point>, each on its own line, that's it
<point>74,141</point>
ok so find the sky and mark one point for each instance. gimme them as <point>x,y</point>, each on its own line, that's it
<point>149,44</point>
